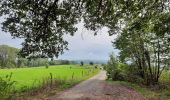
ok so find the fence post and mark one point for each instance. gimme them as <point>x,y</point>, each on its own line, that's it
<point>51,80</point>
<point>72,75</point>
<point>82,73</point>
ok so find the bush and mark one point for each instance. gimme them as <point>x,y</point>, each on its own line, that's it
<point>81,63</point>
<point>132,74</point>
<point>117,75</point>
<point>46,66</point>
<point>123,72</point>
<point>91,63</point>
<point>119,71</point>
<point>6,87</point>
<point>95,66</point>
<point>113,69</point>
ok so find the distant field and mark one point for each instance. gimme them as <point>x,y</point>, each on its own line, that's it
<point>33,77</point>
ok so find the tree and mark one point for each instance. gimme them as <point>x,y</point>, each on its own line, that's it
<point>42,23</point>
<point>81,63</point>
<point>142,28</point>
<point>147,50</point>
<point>91,63</point>
<point>8,56</point>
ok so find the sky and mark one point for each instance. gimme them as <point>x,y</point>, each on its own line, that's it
<point>82,46</point>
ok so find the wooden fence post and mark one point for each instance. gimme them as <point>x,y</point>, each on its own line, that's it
<point>72,75</point>
<point>82,73</point>
<point>51,80</point>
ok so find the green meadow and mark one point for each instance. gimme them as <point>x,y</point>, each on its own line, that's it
<point>26,78</point>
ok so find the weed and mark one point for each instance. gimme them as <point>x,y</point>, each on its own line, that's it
<point>6,87</point>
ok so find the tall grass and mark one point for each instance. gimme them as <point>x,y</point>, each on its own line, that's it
<point>6,87</point>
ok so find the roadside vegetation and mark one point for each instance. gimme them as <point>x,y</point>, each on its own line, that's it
<point>127,74</point>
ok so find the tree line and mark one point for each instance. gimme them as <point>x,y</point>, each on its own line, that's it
<point>9,58</point>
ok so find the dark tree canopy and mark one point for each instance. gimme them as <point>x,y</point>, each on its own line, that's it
<point>42,23</point>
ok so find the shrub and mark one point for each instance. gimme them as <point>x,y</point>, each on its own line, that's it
<point>47,66</point>
<point>91,63</point>
<point>6,87</point>
<point>81,63</point>
<point>113,69</point>
<point>132,74</point>
<point>117,75</point>
<point>95,66</point>
<point>119,71</point>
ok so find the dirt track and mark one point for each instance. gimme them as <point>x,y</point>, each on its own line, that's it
<point>96,88</point>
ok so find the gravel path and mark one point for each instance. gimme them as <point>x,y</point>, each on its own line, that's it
<point>96,88</point>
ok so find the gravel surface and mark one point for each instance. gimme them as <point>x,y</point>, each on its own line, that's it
<point>96,88</point>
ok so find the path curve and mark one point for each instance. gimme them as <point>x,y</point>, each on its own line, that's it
<point>96,88</point>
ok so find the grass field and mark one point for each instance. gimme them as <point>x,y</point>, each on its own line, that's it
<point>33,77</point>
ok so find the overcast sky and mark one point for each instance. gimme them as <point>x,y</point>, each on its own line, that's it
<point>82,46</point>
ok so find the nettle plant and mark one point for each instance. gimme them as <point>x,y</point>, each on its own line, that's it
<point>6,87</point>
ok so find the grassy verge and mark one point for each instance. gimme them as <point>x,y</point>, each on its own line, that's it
<point>160,91</point>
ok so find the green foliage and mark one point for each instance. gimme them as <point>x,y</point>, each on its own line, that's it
<point>113,69</point>
<point>165,76</point>
<point>37,62</point>
<point>21,62</point>
<point>41,23</point>
<point>59,62</point>
<point>91,63</point>
<point>96,66</point>
<point>43,28</point>
<point>9,59</point>
<point>146,51</point>
<point>47,66</point>
<point>119,71</point>
<point>81,63</point>
<point>143,32</point>
<point>8,56</point>
<point>6,87</point>
<point>133,74</point>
